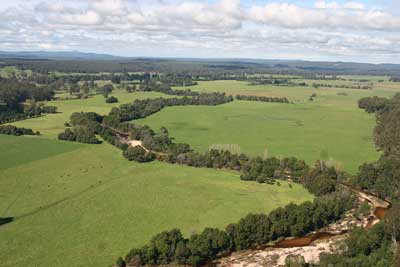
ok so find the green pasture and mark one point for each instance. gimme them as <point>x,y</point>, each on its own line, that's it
<point>84,205</point>
<point>50,125</point>
<point>331,127</point>
<point>9,71</point>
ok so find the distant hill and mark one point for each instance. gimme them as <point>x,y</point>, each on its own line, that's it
<point>72,55</point>
<point>79,61</point>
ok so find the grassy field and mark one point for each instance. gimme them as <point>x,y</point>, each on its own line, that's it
<point>331,127</point>
<point>84,205</point>
<point>50,125</point>
<point>8,72</point>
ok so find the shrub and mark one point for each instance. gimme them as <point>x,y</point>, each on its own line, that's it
<point>12,130</point>
<point>111,99</point>
<point>138,154</point>
<point>49,109</point>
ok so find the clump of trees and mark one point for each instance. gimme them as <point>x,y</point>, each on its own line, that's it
<point>105,90</point>
<point>380,177</point>
<point>321,179</point>
<point>267,170</point>
<point>79,134</point>
<point>262,98</point>
<point>49,109</point>
<point>12,130</point>
<point>177,79</point>
<point>13,93</point>
<point>252,230</point>
<point>85,126</point>
<point>373,104</point>
<point>111,99</point>
<point>395,79</point>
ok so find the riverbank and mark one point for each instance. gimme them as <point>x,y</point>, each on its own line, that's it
<point>310,247</point>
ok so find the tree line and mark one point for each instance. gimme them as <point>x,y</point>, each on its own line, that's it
<point>262,98</point>
<point>344,86</point>
<point>382,177</point>
<point>276,82</point>
<point>143,108</point>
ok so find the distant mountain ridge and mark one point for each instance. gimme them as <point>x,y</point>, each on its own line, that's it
<point>73,55</point>
<point>120,63</point>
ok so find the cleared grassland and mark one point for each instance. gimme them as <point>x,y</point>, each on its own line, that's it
<point>50,125</point>
<point>331,127</point>
<point>84,205</point>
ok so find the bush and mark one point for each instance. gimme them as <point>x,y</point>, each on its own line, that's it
<point>120,262</point>
<point>67,135</point>
<point>111,99</point>
<point>12,130</point>
<point>138,154</point>
<point>49,109</point>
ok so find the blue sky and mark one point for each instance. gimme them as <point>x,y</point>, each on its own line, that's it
<point>363,31</point>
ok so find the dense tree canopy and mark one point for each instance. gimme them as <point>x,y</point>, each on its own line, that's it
<point>372,104</point>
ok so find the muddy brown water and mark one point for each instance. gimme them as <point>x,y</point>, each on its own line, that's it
<point>380,212</point>
<point>305,241</point>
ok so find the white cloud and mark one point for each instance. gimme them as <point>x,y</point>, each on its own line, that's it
<point>222,28</point>
<point>109,7</point>
<point>86,18</point>
<point>354,5</point>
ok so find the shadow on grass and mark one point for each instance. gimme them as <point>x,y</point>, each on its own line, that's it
<point>6,220</point>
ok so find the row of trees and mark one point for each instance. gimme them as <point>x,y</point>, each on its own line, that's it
<point>165,88</point>
<point>382,176</point>
<point>345,86</point>
<point>278,82</point>
<point>143,108</point>
<point>252,230</point>
<point>12,130</point>
<point>262,98</point>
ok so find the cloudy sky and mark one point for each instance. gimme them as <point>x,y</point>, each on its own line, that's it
<point>363,31</point>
